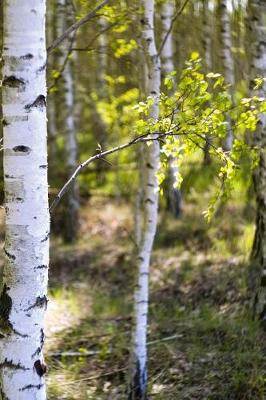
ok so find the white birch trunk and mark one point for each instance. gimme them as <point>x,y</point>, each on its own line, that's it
<point>102,66</point>
<point>257,48</point>
<point>138,206</point>
<point>207,33</point>
<point>227,61</point>
<point>70,231</point>
<point>206,42</point>
<point>167,56</point>
<point>138,384</point>
<point>168,9</point>
<point>100,128</point>
<point>51,32</point>
<point>23,293</point>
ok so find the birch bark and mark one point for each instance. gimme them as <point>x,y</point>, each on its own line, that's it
<point>206,42</point>
<point>24,288</point>
<point>138,383</point>
<point>167,56</point>
<point>257,48</point>
<point>99,126</point>
<point>51,34</point>
<point>227,61</point>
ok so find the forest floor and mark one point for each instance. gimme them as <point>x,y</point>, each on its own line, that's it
<point>203,343</point>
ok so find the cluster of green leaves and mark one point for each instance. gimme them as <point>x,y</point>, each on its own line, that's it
<point>116,110</point>
<point>201,110</point>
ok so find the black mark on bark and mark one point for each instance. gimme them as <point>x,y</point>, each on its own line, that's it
<point>46,238</point>
<point>138,385</point>
<point>42,68</point>
<point>41,301</point>
<point>42,338</point>
<point>22,149</point>
<point>148,165</point>
<point>9,255</point>
<point>5,308</point>
<point>20,334</point>
<point>27,57</point>
<point>29,387</point>
<point>43,266</point>
<point>13,82</point>
<point>11,365</point>
<point>9,176</point>
<point>5,123</point>
<point>149,201</point>
<point>40,367</point>
<point>37,352</point>
<point>40,103</point>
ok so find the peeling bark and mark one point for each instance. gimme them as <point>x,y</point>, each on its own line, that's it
<point>24,287</point>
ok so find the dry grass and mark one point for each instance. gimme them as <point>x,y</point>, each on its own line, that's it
<point>198,297</point>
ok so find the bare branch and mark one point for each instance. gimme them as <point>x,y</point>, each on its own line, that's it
<point>99,156</point>
<point>63,66</point>
<point>76,25</point>
<point>179,12</point>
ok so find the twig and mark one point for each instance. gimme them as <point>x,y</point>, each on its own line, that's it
<point>76,26</point>
<point>89,378</point>
<point>63,66</point>
<point>139,139</point>
<point>90,353</point>
<point>88,47</point>
<point>74,354</point>
<point>179,12</point>
<point>165,339</point>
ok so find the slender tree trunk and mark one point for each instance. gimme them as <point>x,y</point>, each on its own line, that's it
<point>227,61</point>
<point>1,115</point>
<point>138,206</point>
<point>167,56</point>
<point>257,47</point>
<point>23,293</point>
<point>206,42</point>
<point>51,34</point>
<point>102,66</point>
<point>71,224</point>
<point>99,125</point>
<point>138,383</point>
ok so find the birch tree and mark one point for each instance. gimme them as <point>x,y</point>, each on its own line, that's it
<point>257,48</point>
<point>23,292</point>
<point>167,57</point>
<point>138,380</point>
<point>206,44</point>
<point>99,126</point>
<point>227,60</point>
<point>51,33</point>
<point>67,121</point>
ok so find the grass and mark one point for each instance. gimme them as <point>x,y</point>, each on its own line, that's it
<point>198,300</point>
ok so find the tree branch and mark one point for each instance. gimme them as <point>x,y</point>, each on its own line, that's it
<point>179,12</point>
<point>76,26</point>
<point>139,139</point>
